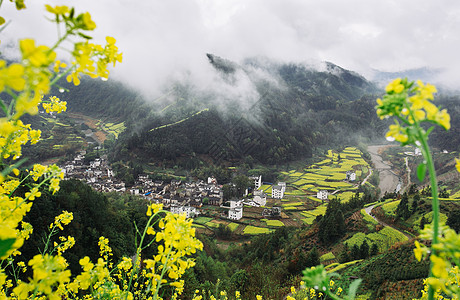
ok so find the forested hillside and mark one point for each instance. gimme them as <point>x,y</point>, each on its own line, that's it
<point>258,111</point>
<point>293,110</point>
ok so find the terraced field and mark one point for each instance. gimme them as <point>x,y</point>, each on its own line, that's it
<point>384,238</point>
<point>329,174</point>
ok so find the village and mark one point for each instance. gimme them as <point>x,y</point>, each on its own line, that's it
<point>176,196</point>
<point>188,197</point>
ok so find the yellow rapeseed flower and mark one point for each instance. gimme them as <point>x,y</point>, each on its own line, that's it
<point>418,251</point>
<point>58,9</point>
<point>88,22</point>
<point>37,56</point>
<point>440,267</point>
<point>395,86</point>
<point>12,76</point>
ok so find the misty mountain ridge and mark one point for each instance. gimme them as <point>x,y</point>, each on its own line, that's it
<point>257,110</point>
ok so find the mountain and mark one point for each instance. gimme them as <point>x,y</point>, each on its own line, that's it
<point>258,110</point>
<point>425,74</point>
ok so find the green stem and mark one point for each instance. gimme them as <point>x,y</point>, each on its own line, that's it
<point>4,108</point>
<point>55,79</point>
<point>49,238</point>
<point>139,248</point>
<point>163,271</point>
<point>68,32</point>
<point>435,202</point>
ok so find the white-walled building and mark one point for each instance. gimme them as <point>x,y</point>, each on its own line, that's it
<point>278,192</point>
<point>260,197</point>
<point>351,176</point>
<point>190,211</point>
<point>236,210</point>
<point>257,181</point>
<point>322,195</point>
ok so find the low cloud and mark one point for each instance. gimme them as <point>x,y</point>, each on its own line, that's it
<point>163,41</point>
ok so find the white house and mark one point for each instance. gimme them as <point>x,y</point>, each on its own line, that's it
<point>189,211</point>
<point>95,163</point>
<point>260,198</point>
<point>212,180</point>
<point>236,210</point>
<point>278,192</point>
<point>257,181</point>
<point>134,191</point>
<point>322,195</point>
<point>351,176</point>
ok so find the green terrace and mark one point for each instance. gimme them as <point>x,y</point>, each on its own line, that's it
<point>328,174</point>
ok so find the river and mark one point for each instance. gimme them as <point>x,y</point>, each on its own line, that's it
<point>389,181</point>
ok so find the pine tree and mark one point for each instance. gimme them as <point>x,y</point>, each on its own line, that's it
<point>374,250</point>
<point>364,250</point>
<point>402,211</point>
<point>422,222</point>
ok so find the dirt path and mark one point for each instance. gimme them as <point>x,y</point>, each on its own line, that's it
<point>389,181</point>
<point>368,210</point>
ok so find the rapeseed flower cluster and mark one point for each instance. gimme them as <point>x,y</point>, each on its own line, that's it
<point>445,260</point>
<point>410,103</point>
<point>54,105</point>
<point>301,293</point>
<point>26,82</point>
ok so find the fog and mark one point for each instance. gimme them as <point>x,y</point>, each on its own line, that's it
<point>166,41</point>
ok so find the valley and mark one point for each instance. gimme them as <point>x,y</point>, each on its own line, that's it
<point>328,190</point>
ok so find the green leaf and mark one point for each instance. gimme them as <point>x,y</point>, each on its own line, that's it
<point>85,36</point>
<point>353,289</point>
<point>2,21</point>
<point>429,130</point>
<point>421,171</point>
<point>5,246</point>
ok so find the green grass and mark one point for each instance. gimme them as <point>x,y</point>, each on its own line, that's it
<point>357,239</point>
<point>292,204</point>
<point>275,223</point>
<point>368,218</point>
<point>390,208</point>
<point>202,220</point>
<point>344,197</point>
<point>309,220</point>
<point>253,230</point>
<point>384,239</point>
<point>213,225</point>
<point>327,256</point>
<point>198,226</point>
<point>233,226</point>
<point>342,266</point>
<point>313,198</point>
<point>114,129</point>
<point>456,195</point>
<point>291,208</point>
<point>296,174</point>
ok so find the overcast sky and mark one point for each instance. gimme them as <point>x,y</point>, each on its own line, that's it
<point>164,39</point>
